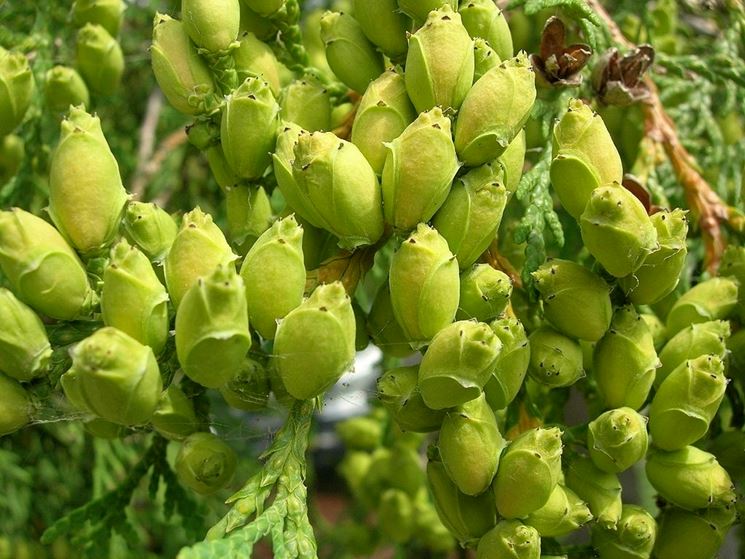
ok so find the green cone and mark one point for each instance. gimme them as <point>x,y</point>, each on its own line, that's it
<point>212,24</point>
<point>24,347</point>
<point>659,273</point>
<point>254,58</point>
<point>182,74</point>
<point>482,18</point>
<point>133,299</point>
<point>274,274</point>
<point>584,157</point>
<point>399,391</point>
<point>484,293</point>
<point>212,336</point>
<point>306,103</point>
<point>419,169</point>
<point>205,463</point>
<point>424,284</point>
<point>86,195</point>
<point>512,363</point>
<point>114,377</point>
<point>495,110</point>
<point>420,9</point>
<point>396,515</point>
<point>314,344</point>
<point>15,406</point>
<point>383,327</point>
<point>199,247</point>
<point>350,55</point>
<point>633,538</point>
<point>624,361</point>
<point>470,445</point>
<point>174,418</point>
<point>690,478</point>
<point>249,213</point>
<point>64,87</point>
<point>555,360</point>
<point>248,390</point>
<point>361,432</point>
<point>150,228</point>
<point>562,514</point>
<point>601,490</point>
<point>383,114</point>
<point>686,402</point>
<point>439,63</point>
<point>576,301</point>
<point>383,25</point>
<point>617,440</point>
<point>689,535</point>
<point>12,154</point>
<point>617,230</point>
<point>733,265</point>
<point>99,59</point>
<point>659,333</point>
<point>265,7</point>
<point>512,160</point>
<point>537,451</point>
<point>510,539</point>
<point>484,58</point>
<point>471,214</point>
<point>713,299</point>
<point>16,89</point>
<point>107,13</point>
<point>341,186</point>
<point>42,269</point>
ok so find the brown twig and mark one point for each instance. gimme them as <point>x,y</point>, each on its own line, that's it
<point>147,141</point>
<point>705,204</point>
<point>169,143</point>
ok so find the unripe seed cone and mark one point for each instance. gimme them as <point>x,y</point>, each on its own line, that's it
<point>205,463</point>
<point>341,186</point>
<point>733,265</point>
<point>470,216</point>
<point>64,87</point>
<point>458,363</point>
<point>114,377</point>
<point>12,155</point>
<point>467,518</point>
<point>482,18</point>
<point>43,270</point>
<point>383,327</point>
<point>212,336</point>
<point>510,539</point>
<point>107,13</point>
<point>99,59</point>
<point>484,293</point>
<point>16,89</point>
<point>382,115</point>
<point>713,299</point>
<point>736,352</point>
<point>354,468</point>
<point>24,347</point>
<point>686,402</point>
<point>174,418</point>
<point>470,445</point>
<point>181,73</point>
<point>537,451</point>
<point>15,406</point>
<point>584,157</point>
<point>424,284</point>
<point>383,25</point>
<point>484,58</point>
<point>624,361</point>
<point>659,333</point>
<point>133,299</point>
<point>512,161</point>
<point>211,24</point>
<point>248,129</point>
<point>263,27</point>
<point>439,62</point>
<point>249,213</point>
<point>728,448</point>
<point>248,390</point>
<point>407,473</point>
<point>562,514</point>
<point>420,9</point>
<point>86,195</point>
<point>617,230</point>
<point>617,440</point>
<point>575,300</point>
<point>306,103</point>
<point>314,344</point>
<point>659,273</point>
<point>361,433</point>
<point>398,389</point>
<point>396,515</point>
<point>495,110</point>
<point>254,58</point>
<point>689,535</point>
<point>151,228</point>
<point>512,363</point>
<point>352,58</point>
<point>690,478</point>
<point>555,360</point>
<point>419,168</point>
<point>274,274</point>
<point>633,538</point>
<point>199,247</point>
<point>601,490</point>
<point>265,7</point>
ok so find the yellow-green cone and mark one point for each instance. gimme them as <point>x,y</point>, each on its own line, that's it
<point>692,535</point>
<point>16,89</point>
<point>174,418</point>
<point>713,299</point>
<point>512,363</point>
<point>306,103</point>
<point>698,339</point>
<point>396,515</point>
<point>64,87</point>
<point>24,347</point>
<point>617,439</point>
<point>510,539</point>
<point>151,228</point>
<point>12,154</point>
<point>511,161</point>
<point>15,406</point>
<point>107,13</point>
<point>555,359</point>
<point>633,537</point>
<point>563,513</point>
<point>399,391</point>
<point>601,490</point>
<point>99,59</point>
<point>383,327</point>
<point>482,18</point>
<point>205,463</point>
<point>484,293</point>
<point>248,390</point>
<point>383,25</point>
<point>254,58</point>
<point>249,213</point>
<point>212,24</point>
<point>420,9</point>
